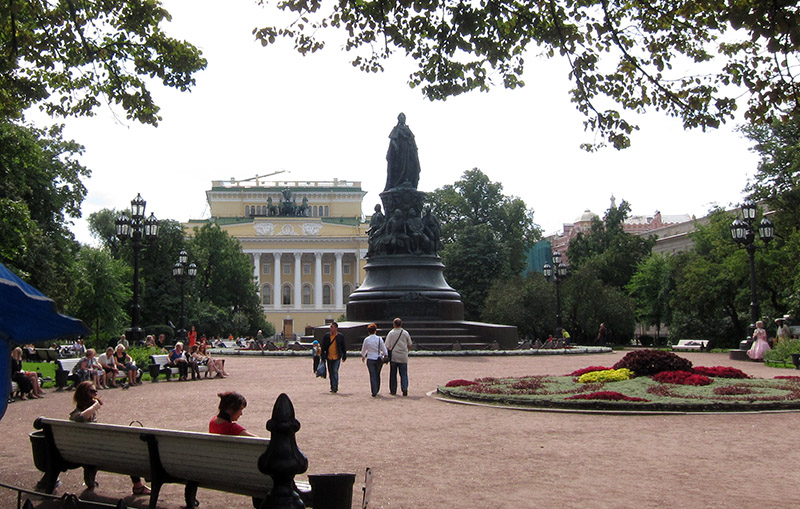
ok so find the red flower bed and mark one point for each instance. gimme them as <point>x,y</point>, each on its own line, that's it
<point>583,371</point>
<point>681,378</point>
<point>531,384</point>
<point>788,377</point>
<point>459,383</point>
<point>606,395</point>
<point>720,372</point>
<point>732,390</point>
<point>485,389</point>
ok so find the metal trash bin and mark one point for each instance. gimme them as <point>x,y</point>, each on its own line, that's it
<point>39,450</point>
<point>332,491</point>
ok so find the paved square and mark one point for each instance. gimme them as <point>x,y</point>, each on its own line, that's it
<point>426,453</point>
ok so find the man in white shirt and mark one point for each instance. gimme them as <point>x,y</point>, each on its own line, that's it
<point>398,342</point>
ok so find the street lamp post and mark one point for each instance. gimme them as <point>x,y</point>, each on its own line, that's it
<point>137,229</point>
<point>180,270</point>
<point>556,273</point>
<point>743,232</point>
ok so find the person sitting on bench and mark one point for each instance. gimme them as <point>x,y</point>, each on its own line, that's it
<point>177,359</point>
<point>87,403</point>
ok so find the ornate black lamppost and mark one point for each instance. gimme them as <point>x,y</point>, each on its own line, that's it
<point>744,234</point>
<point>180,270</point>
<point>136,228</point>
<point>556,273</point>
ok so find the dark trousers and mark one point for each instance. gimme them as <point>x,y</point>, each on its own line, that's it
<point>183,368</point>
<point>374,368</point>
<point>394,368</point>
<point>333,373</point>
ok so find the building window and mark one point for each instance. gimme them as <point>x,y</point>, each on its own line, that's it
<point>346,291</point>
<point>326,295</point>
<point>286,292</point>
<point>346,268</point>
<point>307,294</point>
<point>287,268</point>
<point>326,268</point>
<point>266,295</point>
<point>326,211</point>
<point>267,268</point>
<point>247,210</point>
<point>314,211</point>
<point>306,268</point>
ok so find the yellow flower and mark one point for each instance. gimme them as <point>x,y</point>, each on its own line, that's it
<point>608,375</point>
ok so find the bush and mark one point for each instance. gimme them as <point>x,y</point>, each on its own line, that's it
<point>583,371</point>
<point>783,351</point>
<point>607,396</point>
<point>720,372</point>
<point>610,375</point>
<point>681,378</point>
<point>141,355</point>
<point>650,362</point>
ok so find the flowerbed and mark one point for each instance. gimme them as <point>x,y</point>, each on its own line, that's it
<point>700,389</point>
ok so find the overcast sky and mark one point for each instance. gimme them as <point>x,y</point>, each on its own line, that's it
<point>257,110</point>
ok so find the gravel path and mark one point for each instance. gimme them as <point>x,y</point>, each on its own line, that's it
<point>427,453</point>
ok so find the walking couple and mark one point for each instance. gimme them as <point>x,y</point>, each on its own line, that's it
<point>374,352</point>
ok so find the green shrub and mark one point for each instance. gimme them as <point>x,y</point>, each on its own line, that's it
<point>783,351</point>
<point>141,355</point>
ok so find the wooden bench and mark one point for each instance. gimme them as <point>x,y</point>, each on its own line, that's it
<point>197,460</point>
<point>64,374</point>
<point>162,361</point>
<point>699,345</point>
<point>47,354</point>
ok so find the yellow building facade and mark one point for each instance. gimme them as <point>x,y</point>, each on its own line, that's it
<point>307,241</point>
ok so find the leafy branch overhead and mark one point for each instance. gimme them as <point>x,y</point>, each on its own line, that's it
<point>68,56</point>
<point>690,59</point>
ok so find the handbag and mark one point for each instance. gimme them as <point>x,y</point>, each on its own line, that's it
<point>322,371</point>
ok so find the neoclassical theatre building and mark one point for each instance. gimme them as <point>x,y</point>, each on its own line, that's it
<point>307,241</point>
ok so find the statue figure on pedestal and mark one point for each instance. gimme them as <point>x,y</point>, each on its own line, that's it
<point>402,158</point>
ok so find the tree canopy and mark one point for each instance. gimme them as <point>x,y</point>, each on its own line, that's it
<point>40,192</point>
<point>607,248</point>
<point>690,59</point>
<point>485,234</point>
<point>67,56</point>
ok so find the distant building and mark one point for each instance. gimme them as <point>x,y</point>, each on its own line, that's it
<point>307,242</point>
<point>671,232</point>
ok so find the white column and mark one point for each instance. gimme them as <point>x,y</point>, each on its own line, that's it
<point>357,273</point>
<point>338,282</point>
<point>257,273</point>
<point>276,284</point>
<point>318,280</point>
<point>298,302</point>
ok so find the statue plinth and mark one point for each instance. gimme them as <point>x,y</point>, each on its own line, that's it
<point>411,286</point>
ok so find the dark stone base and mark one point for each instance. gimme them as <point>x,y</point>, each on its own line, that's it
<point>434,335</point>
<point>409,286</point>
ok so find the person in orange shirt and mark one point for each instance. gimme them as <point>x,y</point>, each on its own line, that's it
<point>334,351</point>
<point>192,337</point>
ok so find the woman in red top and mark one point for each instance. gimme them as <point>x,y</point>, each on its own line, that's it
<point>231,406</point>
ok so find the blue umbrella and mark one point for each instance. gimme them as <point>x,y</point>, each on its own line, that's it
<point>27,316</point>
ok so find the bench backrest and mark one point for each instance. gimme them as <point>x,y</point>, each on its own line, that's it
<point>227,463</point>
<point>109,447</point>
<point>68,364</point>
<point>161,359</point>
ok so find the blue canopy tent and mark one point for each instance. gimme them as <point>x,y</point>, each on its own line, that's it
<point>27,316</point>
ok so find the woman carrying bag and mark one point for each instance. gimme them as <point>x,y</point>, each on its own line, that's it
<point>373,352</point>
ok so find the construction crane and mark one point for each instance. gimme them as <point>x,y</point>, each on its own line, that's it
<point>234,181</point>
